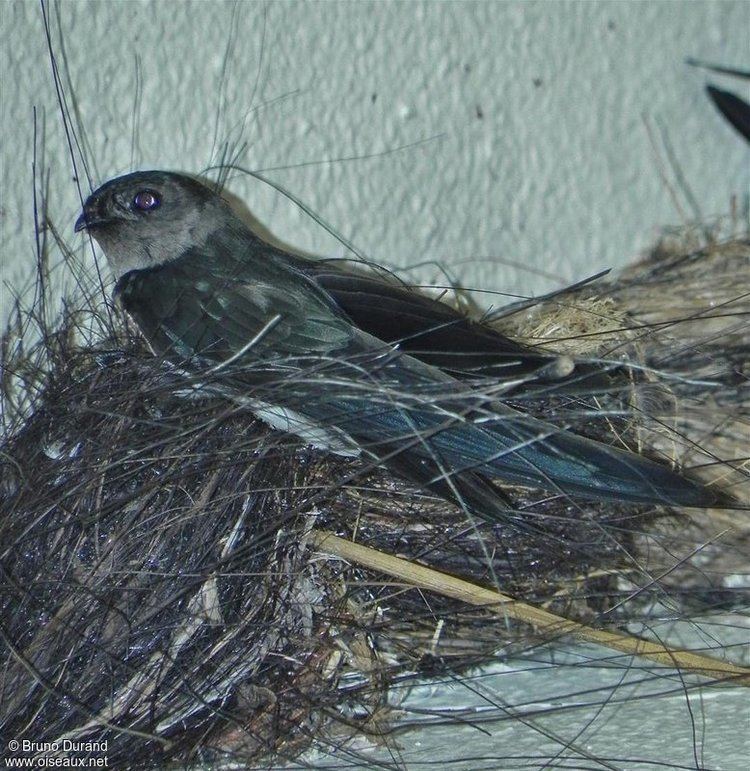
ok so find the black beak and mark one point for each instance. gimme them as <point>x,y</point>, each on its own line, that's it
<point>89,219</point>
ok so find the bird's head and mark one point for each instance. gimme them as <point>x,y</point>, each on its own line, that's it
<point>148,218</point>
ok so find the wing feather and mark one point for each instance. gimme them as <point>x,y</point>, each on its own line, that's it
<point>380,397</point>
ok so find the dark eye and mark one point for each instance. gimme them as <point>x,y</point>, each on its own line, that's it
<point>145,200</point>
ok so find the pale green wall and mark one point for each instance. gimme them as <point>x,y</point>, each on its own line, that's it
<point>560,178</point>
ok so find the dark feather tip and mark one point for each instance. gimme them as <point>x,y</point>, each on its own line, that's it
<point>735,110</point>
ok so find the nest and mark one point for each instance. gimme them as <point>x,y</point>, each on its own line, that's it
<point>186,585</point>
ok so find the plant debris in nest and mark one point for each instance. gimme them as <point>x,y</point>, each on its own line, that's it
<point>183,583</point>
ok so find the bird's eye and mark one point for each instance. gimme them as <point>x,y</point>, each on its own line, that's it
<point>145,200</point>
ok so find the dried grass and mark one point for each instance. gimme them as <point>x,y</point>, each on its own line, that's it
<point>168,584</point>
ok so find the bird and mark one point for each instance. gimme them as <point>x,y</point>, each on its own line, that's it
<point>356,363</point>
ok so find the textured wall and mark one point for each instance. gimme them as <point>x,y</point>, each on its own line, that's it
<point>543,170</point>
<point>543,159</point>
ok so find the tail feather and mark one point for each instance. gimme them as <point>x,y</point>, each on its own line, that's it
<point>469,490</point>
<point>528,451</point>
<point>517,449</point>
